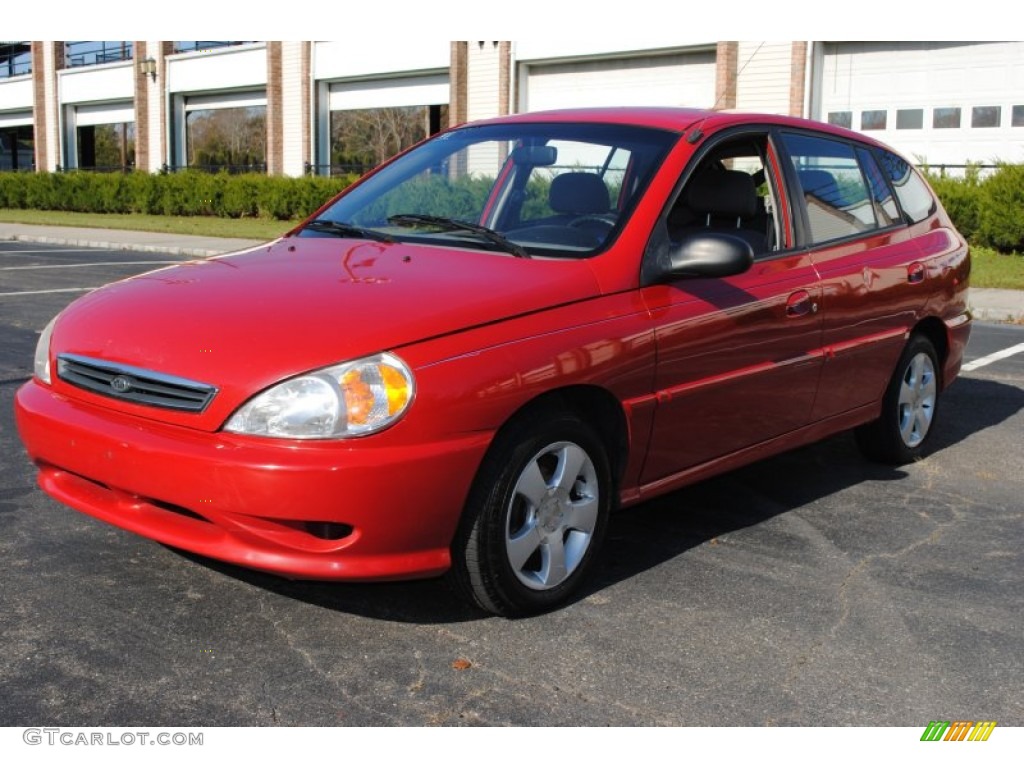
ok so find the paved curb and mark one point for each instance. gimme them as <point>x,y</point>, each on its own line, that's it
<point>997,305</point>
<point>201,247</point>
<point>172,250</point>
<point>990,315</point>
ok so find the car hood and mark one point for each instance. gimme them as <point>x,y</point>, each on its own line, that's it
<point>245,321</point>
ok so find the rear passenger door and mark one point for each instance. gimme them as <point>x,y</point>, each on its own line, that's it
<point>847,215</point>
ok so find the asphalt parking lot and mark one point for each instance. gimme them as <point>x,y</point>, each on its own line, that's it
<point>810,589</point>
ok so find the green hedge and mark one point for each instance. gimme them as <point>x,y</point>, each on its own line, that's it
<point>185,193</point>
<point>988,211</point>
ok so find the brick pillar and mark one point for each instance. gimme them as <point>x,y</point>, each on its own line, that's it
<point>275,111</point>
<point>797,73</point>
<point>726,58</point>
<point>47,58</point>
<point>504,77</point>
<point>458,79</point>
<point>151,130</point>
<point>142,153</point>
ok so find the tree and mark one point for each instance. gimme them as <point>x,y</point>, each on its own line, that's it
<point>368,137</point>
<point>114,145</point>
<point>227,138</point>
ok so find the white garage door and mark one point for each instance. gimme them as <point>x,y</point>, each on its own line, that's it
<point>415,91</point>
<point>672,80</point>
<point>101,114</point>
<point>13,119</point>
<point>937,102</point>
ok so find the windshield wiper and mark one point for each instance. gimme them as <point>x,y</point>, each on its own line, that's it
<point>454,225</point>
<point>348,230</point>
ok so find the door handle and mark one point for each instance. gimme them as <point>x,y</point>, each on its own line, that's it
<point>799,304</point>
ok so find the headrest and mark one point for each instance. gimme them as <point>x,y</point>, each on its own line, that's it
<point>578,193</point>
<point>722,193</point>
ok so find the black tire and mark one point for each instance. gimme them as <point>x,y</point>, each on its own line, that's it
<point>525,515</point>
<point>901,433</point>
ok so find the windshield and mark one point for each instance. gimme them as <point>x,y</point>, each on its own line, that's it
<point>537,189</point>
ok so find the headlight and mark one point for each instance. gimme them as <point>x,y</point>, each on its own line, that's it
<point>346,400</point>
<point>41,364</point>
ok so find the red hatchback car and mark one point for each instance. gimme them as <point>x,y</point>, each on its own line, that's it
<point>466,360</point>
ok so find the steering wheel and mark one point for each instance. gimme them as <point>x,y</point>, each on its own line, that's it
<point>605,220</point>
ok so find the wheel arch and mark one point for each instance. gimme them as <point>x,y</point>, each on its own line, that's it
<point>592,404</point>
<point>936,332</point>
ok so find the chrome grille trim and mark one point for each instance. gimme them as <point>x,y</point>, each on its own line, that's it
<point>134,385</point>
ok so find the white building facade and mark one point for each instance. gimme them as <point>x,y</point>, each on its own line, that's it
<point>286,107</point>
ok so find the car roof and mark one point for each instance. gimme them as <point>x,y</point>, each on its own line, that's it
<point>678,119</point>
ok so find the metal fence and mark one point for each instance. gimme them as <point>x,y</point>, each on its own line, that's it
<point>15,59</point>
<point>85,53</point>
<point>325,169</point>
<point>954,170</point>
<point>165,168</point>
<point>226,168</point>
<point>102,169</point>
<point>184,46</point>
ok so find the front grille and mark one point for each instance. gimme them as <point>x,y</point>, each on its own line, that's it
<point>124,382</point>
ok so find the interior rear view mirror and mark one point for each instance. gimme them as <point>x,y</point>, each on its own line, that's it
<point>534,155</point>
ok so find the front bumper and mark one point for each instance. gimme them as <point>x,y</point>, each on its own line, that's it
<point>366,509</point>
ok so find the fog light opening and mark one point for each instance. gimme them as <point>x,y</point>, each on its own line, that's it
<point>328,531</point>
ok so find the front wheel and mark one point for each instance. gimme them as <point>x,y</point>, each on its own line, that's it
<point>909,407</point>
<point>536,516</point>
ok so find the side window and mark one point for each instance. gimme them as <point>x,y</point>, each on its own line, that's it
<point>915,199</point>
<point>835,195</point>
<point>730,191</point>
<point>881,196</point>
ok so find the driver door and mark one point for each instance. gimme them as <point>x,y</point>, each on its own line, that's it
<point>738,357</point>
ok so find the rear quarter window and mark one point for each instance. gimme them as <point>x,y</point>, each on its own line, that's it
<point>915,198</point>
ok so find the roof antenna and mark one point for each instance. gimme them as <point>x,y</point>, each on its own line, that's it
<point>697,134</point>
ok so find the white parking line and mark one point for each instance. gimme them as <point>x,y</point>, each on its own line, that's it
<point>52,290</point>
<point>78,266</point>
<point>994,357</point>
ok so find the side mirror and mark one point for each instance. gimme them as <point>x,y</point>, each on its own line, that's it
<point>711,254</point>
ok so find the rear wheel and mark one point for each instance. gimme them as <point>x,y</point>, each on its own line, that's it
<point>536,515</point>
<point>909,407</point>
